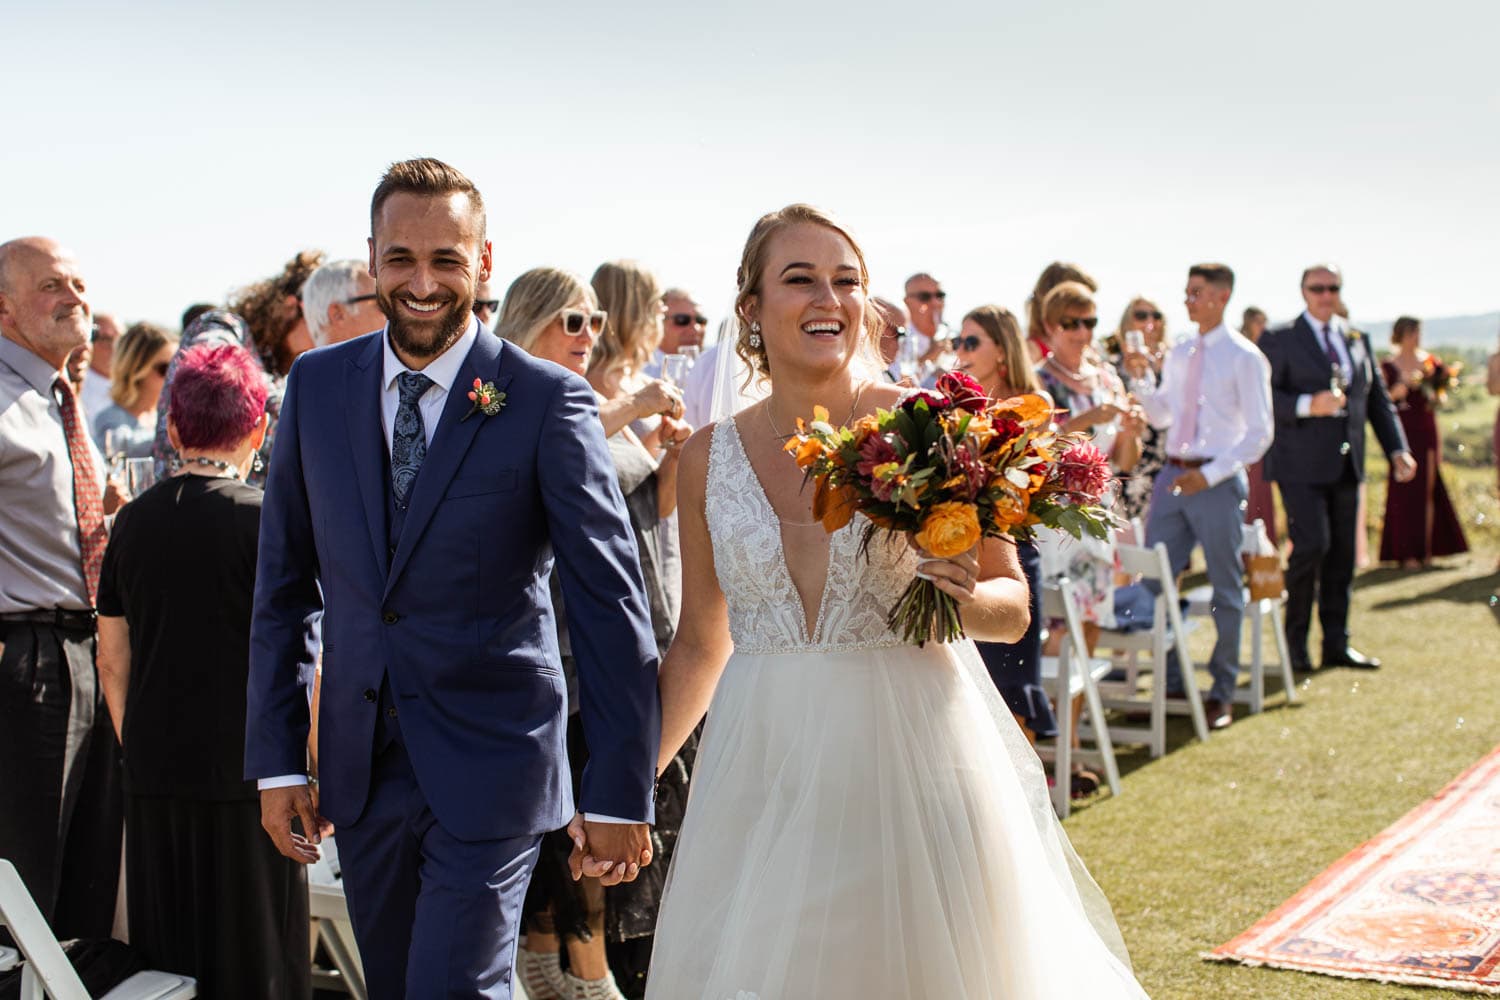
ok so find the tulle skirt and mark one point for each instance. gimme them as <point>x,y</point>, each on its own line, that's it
<point>872,824</point>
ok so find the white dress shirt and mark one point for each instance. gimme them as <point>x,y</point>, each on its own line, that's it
<point>1340,340</point>
<point>95,395</point>
<point>1234,421</point>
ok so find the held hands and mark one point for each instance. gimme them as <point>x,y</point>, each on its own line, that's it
<point>1404,466</point>
<point>957,577</point>
<point>279,807</point>
<point>611,852</point>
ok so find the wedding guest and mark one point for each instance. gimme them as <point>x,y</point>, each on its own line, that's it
<point>924,306</point>
<point>338,301</point>
<point>209,895</point>
<point>60,810</point>
<point>1141,319</point>
<point>629,294</point>
<point>192,312</point>
<point>553,315</point>
<point>1052,275</point>
<point>486,306</point>
<point>140,369</point>
<point>991,351</point>
<point>684,327</point>
<point>1420,522</point>
<point>1324,388</point>
<point>1214,401</point>
<point>1262,505</point>
<point>265,317</point>
<point>97,378</point>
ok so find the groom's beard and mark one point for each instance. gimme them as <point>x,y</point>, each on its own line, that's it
<point>426,338</point>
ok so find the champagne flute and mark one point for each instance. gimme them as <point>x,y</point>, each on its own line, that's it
<point>674,369</point>
<point>115,440</point>
<point>692,352</point>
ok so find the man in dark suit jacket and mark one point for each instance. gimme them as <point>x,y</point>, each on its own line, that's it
<point>1324,386</point>
<point>423,478</point>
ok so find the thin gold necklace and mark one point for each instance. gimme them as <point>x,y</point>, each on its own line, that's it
<point>771,422</point>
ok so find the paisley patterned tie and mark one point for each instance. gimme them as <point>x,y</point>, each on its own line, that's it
<point>409,440</point>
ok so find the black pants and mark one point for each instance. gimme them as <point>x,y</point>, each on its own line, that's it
<point>1322,519</point>
<point>61,810</point>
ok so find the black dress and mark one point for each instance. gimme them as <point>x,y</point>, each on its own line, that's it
<point>208,894</point>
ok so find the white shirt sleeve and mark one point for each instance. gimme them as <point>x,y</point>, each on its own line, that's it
<point>597,818</point>
<point>280,781</point>
<point>1304,406</point>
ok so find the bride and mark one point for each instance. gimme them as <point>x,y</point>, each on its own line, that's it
<point>865,818</point>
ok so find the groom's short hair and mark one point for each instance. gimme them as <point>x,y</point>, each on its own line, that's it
<point>428,177</point>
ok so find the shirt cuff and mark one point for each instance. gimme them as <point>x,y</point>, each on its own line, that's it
<point>597,818</point>
<point>1216,472</point>
<point>280,781</point>
<point>1304,406</point>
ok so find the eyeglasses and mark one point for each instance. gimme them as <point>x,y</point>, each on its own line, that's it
<point>360,298</point>
<point>1074,322</point>
<point>574,319</point>
<point>689,319</point>
<point>1324,289</point>
<point>969,343</point>
<point>160,368</point>
<point>1141,315</point>
<point>928,296</point>
<point>493,305</point>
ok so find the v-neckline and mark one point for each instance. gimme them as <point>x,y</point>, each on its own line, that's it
<point>810,634</point>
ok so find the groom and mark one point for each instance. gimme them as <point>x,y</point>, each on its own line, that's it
<point>422,480</point>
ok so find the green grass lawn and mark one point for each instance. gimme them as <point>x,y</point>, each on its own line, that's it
<point>1210,838</point>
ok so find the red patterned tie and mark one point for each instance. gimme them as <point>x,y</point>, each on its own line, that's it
<point>88,502</point>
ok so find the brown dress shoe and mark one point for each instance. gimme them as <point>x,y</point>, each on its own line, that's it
<point>1219,713</point>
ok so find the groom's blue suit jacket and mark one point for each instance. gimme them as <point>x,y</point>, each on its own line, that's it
<point>454,614</point>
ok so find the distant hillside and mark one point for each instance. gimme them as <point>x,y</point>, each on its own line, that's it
<point>1445,331</point>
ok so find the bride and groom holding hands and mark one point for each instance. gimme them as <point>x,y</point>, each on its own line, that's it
<point>866,819</point>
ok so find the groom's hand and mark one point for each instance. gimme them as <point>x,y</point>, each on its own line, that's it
<point>611,852</point>
<point>278,807</point>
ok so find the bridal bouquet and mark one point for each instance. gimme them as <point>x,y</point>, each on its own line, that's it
<point>1439,378</point>
<point>950,468</point>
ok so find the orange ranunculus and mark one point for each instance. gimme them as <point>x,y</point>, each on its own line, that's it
<point>950,529</point>
<point>1011,506</point>
<point>807,450</point>
<point>833,505</point>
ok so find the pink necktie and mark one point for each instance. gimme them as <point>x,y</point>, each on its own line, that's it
<point>1191,391</point>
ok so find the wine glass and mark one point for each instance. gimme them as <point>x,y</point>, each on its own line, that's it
<point>140,475</point>
<point>674,369</point>
<point>115,440</point>
<point>692,352</point>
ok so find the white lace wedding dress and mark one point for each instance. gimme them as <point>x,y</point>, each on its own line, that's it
<point>865,818</point>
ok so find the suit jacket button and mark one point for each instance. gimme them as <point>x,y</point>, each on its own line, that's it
<point>369,694</point>
<point>390,618</point>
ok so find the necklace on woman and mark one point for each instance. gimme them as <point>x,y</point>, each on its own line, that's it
<point>1078,376</point>
<point>770,421</point>
<point>228,468</point>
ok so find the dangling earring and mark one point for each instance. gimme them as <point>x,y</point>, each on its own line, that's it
<point>755,336</point>
<point>255,463</point>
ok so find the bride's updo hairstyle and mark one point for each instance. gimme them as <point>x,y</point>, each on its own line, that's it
<point>752,272</point>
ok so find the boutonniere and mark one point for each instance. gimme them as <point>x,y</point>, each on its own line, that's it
<point>485,399</point>
<point>1352,335</point>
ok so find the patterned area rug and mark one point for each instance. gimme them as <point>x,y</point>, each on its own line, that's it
<point>1418,904</point>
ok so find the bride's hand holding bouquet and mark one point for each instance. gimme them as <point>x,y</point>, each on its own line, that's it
<point>948,468</point>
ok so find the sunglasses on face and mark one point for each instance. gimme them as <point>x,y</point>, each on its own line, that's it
<point>574,320</point>
<point>1324,289</point>
<point>928,296</point>
<point>1074,322</point>
<point>689,319</point>
<point>1141,315</point>
<point>969,343</point>
<point>493,305</point>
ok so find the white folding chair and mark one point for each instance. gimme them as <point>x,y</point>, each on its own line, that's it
<point>1065,676</point>
<point>1168,631</point>
<point>1257,613</point>
<point>331,926</point>
<point>46,971</point>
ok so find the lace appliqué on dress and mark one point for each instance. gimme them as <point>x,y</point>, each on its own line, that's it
<point>765,613</point>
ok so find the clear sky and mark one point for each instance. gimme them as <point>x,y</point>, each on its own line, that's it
<point>184,149</point>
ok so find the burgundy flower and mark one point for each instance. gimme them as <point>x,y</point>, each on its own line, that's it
<point>935,400</point>
<point>1084,471</point>
<point>876,450</point>
<point>963,390</point>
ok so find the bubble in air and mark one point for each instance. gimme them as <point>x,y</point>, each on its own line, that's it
<point>1478,518</point>
<point>1460,724</point>
<point>1344,448</point>
<point>1233,785</point>
<point>1244,505</point>
<point>1332,752</point>
<point>1460,449</point>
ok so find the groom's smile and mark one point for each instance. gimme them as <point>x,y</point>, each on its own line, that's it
<point>428,255</point>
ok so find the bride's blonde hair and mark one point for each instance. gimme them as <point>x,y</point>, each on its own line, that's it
<point>753,266</point>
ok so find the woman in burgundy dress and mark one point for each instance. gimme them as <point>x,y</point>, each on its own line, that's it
<point>1419,519</point>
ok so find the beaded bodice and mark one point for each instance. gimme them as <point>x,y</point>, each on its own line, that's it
<point>765,612</point>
